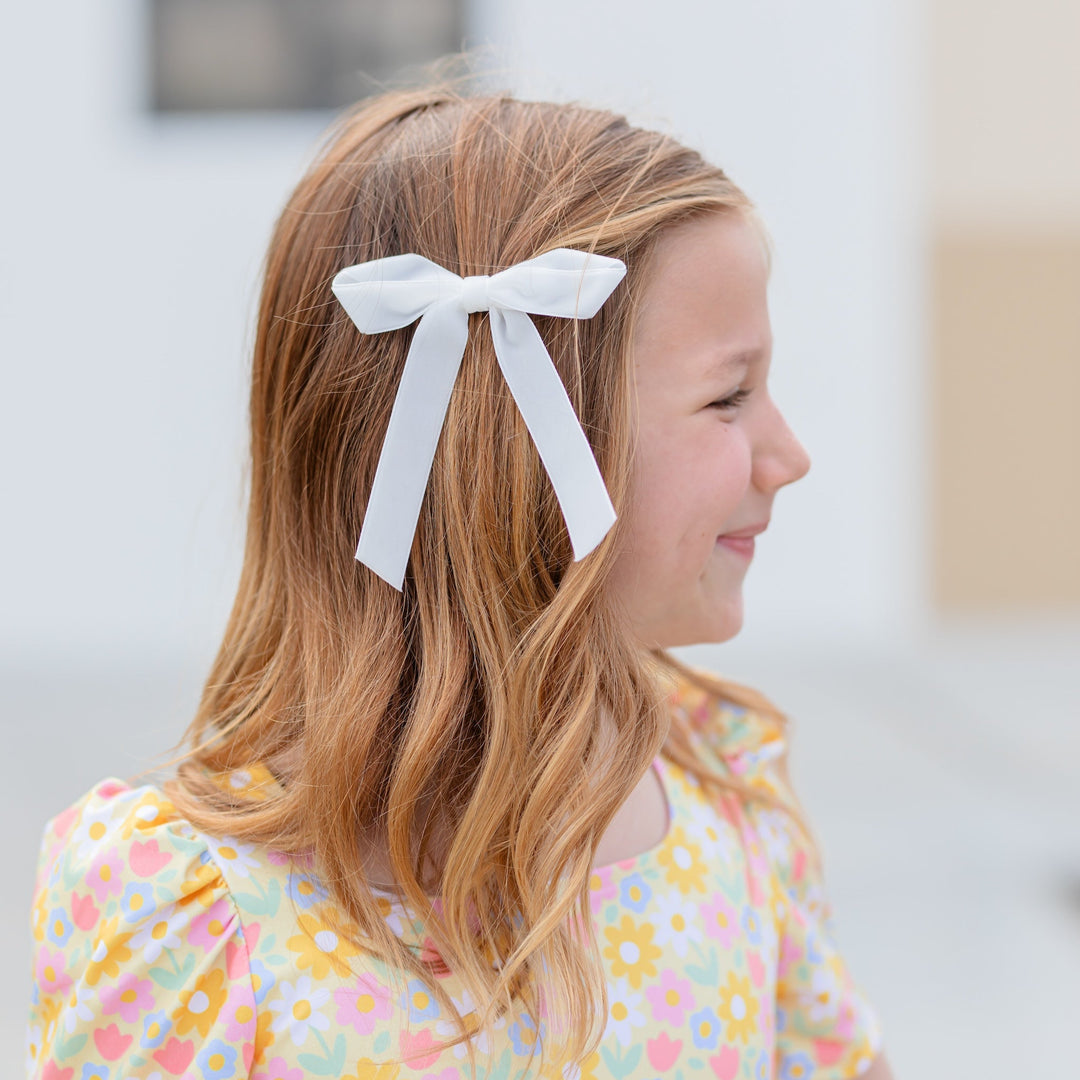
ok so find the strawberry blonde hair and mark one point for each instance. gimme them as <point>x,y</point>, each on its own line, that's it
<point>479,686</point>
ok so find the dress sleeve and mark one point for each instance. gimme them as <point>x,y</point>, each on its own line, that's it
<point>825,1026</point>
<point>140,964</point>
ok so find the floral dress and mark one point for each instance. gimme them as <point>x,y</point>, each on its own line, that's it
<point>163,952</point>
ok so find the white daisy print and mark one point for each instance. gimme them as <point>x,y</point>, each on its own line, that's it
<point>677,922</point>
<point>298,1009</point>
<point>624,1012</point>
<point>231,855</point>
<point>160,931</point>
<point>79,1006</point>
<point>92,828</point>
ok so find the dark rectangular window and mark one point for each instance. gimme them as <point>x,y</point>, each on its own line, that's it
<point>217,55</point>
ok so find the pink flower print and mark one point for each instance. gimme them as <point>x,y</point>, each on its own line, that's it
<point>176,1055</point>
<point>105,876</point>
<point>64,820</point>
<point>663,1051</point>
<point>790,953</point>
<point>449,1073</point>
<point>50,972</point>
<point>412,1049</point>
<point>726,1063</point>
<point>828,1051</point>
<point>757,968</point>
<point>277,858</point>
<point>83,911</point>
<point>670,997</point>
<point>239,1020</point>
<point>110,1043</point>
<point>721,920</point>
<point>212,925</point>
<point>601,888</point>
<point>129,997</point>
<point>52,1071</point>
<point>798,865</point>
<point>278,1069</point>
<point>363,1004</point>
<point>146,859</point>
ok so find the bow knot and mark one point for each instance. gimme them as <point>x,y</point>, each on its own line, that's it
<point>474,293</point>
<point>388,294</point>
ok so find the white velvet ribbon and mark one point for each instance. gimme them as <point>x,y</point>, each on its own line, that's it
<point>387,294</point>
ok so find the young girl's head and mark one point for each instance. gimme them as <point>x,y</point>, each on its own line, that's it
<point>483,724</point>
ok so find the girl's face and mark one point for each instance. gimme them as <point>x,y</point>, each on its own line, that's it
<point>712,447</point>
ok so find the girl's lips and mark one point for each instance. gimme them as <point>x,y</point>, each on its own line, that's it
<point>743,545</point>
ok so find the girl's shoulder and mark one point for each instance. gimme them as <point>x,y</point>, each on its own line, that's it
<point>748,742</point>
<point>139,950</point>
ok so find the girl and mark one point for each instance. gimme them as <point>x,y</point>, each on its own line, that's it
<point>449,807</point>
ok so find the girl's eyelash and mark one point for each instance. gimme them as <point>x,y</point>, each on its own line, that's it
<point>731,401</point>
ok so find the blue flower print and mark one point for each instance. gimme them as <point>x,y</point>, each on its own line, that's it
<point>92,1071</point>
<point>217,1061</point>
<point>634,893</point>
<point>137,901</point>
<point>798,1066</point>
<point>705,1027</point>
<point>763,1072</point>
<point>59,927</point>
<point>813,948</point>
<point>262,980</point>
<point>305,889</point>
<point>751,924</point>
<point>156,1026</point>
<point>523,1035</point>
<point>419,1002</point>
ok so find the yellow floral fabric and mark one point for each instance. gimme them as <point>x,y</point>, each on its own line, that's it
<point>161,952</point>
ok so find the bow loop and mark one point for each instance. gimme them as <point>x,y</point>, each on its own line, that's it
<point>388,294</point>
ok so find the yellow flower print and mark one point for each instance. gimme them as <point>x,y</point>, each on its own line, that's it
<point>203,887</point>
<point>583,1070</point>
<point>40,914</point>
<point>366,1069</point>
<point>110,951</point>
<point>264,1036</point>
<point>199,1008</point>
<point>148,813</point>
<point>631,951</point>
<point>684,866</point>
<point>738,1008</point>
<point>320,948</point>
<point>49,1013</point>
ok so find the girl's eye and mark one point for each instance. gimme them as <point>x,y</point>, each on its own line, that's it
<point>733,401</point>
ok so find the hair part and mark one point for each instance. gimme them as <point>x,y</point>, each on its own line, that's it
<point>478,690</point>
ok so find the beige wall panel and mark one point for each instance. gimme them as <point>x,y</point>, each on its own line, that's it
<point>1006,422</point>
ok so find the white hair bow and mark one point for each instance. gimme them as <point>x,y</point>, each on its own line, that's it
<point>387,294</point>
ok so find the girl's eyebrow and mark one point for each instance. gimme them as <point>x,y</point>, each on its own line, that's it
<point>734,360</point>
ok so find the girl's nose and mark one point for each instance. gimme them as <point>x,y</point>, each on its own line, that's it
<point>780,458</point>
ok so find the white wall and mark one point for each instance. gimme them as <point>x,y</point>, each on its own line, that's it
<point>128,280</point>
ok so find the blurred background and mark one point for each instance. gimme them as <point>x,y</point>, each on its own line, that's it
<point>915,606</point>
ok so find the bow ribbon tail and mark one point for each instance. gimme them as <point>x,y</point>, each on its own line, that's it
<point>412,435</point>
<point>549,415</point>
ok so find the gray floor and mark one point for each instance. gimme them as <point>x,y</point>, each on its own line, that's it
<point>943,779</point>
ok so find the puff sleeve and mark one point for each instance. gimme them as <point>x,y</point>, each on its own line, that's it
<point>140,964</point>
<point>825,1026</point>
